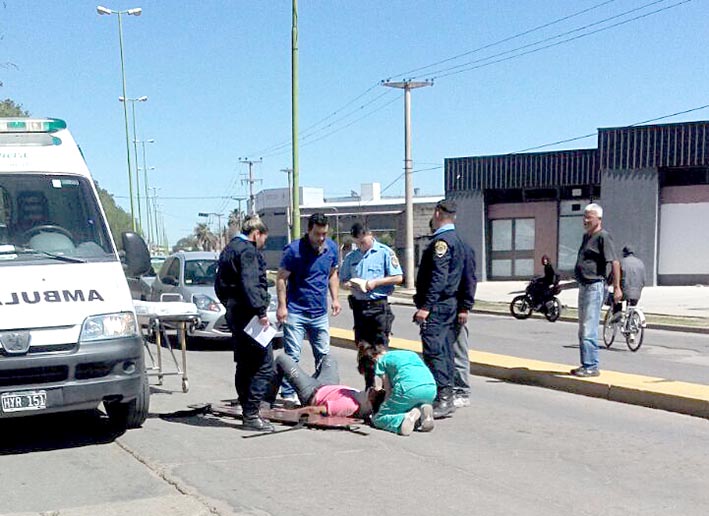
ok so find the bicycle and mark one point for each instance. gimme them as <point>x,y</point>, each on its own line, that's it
<point>630,322</point>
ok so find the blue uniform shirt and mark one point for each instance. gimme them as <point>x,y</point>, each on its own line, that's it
<point>309,275</point>
<point>378,262</point>
<point>440,269</point>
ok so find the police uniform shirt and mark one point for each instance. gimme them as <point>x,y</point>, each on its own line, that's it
<point>379,261</point>
<point>440,270</point>
<point>241,277</point>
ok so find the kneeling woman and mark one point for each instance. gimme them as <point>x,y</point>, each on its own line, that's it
<point>409,385</point>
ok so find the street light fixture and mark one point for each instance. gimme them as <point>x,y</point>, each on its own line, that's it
<point>135,152</point>
<point>136,11</point>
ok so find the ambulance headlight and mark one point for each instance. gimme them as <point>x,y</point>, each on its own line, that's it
<point>206,303</point>
<point>109,326</point>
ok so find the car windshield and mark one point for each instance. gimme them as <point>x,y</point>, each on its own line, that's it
<point>200,272</point>
<point>51,217</point>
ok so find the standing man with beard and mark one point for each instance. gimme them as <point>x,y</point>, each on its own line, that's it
<point>307,273</point>
<point>436,299</point>
<point>242,288</point>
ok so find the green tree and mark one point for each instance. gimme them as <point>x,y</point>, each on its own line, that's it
<point>118,219</point>
<point>9,108</point>
<point>188,243</point>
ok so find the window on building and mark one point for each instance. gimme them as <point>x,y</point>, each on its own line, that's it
<point>512,248</point>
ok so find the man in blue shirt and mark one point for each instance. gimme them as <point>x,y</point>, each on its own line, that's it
<point>370,271</point>
<point>307,272</point>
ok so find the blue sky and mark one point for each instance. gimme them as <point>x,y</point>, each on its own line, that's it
<point>217,74</point>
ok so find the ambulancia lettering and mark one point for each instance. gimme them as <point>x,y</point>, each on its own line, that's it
<point>50,296</point>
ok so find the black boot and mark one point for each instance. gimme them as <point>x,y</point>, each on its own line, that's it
<point>258,424</point>
<point>443,405</point>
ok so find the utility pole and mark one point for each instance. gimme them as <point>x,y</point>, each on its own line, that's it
<point>251,181</point>
<point>289,213</point>
<point>407,86</point>
<point>295,194</point>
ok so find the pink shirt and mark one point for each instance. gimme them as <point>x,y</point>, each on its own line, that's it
<point>339,400</point>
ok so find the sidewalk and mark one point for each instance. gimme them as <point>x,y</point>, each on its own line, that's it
<point>669,308</point>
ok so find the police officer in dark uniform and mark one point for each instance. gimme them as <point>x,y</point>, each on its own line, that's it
<point>242,287</point>
<point>371,271</point>
<point>437,285</point>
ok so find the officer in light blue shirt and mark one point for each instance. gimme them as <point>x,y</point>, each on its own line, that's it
<point>371,271</point>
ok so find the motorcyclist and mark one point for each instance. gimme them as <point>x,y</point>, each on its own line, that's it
<point>541,289</point>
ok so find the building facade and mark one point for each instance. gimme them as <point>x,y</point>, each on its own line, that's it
<point>652,181</point>
<point>383,215</point>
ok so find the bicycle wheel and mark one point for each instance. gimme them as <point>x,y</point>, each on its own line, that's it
<point>520,307</point>
<point>610,328</point>
<point>635,331</point>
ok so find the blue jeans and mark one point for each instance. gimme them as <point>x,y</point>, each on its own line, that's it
<point>294,330</point>
<point>590,303</point>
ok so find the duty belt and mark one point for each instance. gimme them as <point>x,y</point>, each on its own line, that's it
<point>367,303</point>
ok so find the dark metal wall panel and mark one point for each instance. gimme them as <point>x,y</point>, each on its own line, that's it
<point>516,171</point>
<point>653,146</point>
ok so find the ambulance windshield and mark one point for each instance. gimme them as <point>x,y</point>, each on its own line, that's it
<point>52,215</point>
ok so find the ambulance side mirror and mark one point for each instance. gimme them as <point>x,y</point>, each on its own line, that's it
<point>137,256</point>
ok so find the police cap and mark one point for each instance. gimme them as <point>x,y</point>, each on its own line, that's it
<point>446,206</point>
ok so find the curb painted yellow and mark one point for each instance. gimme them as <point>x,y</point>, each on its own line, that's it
<point>647,391</point>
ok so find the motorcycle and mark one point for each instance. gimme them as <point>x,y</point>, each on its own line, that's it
<point>537,297</point>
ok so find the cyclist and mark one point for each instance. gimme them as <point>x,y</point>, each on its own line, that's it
<point>632,279</point>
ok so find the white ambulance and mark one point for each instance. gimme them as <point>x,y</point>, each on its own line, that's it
<point>68,333</point>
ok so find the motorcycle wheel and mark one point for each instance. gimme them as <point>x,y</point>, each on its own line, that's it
<point>521,307</point>
<point>553,311</point>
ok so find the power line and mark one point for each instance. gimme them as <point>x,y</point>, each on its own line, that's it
<point>663,117</point>
<point>505,40</point>
<point>568,40</point>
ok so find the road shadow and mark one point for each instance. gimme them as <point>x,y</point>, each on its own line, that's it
<point>56,432</point>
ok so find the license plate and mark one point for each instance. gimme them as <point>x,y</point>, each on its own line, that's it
<point>26,400</point>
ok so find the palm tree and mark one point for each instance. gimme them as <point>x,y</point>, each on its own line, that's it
<point>206,240</point>
<point>236,217</point>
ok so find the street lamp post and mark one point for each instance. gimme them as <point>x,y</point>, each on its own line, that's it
<point>145,181</point>
<point>407,86</point>
<point>136,11</point>
<point>135,152</point>
<point>148,215</point>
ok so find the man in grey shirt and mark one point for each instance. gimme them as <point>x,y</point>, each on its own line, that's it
<point>596,252</point>
<point>632,278</point>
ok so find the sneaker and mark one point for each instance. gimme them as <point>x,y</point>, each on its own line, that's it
<point>410,420</point>
<point>583,372</point>
<point>461,400</point>
<point>425,422</point>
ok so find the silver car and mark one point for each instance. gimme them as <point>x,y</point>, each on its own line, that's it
<point>189,276</point>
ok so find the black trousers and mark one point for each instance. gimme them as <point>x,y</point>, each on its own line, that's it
<point>438,334</point>
<point>372,323</point>
<point>254,367</point>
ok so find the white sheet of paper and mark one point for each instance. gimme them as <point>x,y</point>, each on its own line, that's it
<point>261,334</point>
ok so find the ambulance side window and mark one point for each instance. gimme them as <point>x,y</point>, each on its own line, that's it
<point>5,214</point>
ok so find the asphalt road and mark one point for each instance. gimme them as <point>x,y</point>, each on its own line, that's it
<point>517,450</point>
<point>664,354</point>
